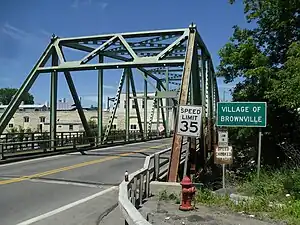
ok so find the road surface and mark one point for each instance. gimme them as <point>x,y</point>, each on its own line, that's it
<point>72,188</point>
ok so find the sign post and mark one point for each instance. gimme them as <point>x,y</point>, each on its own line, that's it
<point>223,143</point>
<point>259,152</point>
<point>243,114</point>
<point>189,124</point>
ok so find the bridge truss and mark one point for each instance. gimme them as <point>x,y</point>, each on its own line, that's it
<point>166,57</point>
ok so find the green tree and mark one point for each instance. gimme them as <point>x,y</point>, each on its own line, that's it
<point>6,94</point>
<point>266,60</point>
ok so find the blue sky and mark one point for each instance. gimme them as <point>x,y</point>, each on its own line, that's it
<point>26,28</point>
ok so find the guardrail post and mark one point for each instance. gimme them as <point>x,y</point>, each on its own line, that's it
<point>1,150</point>
<point>141,193</point>
<point>147,183</point>
<point>133,191</point>
<point>156,166</point>
<point>32,139</point>
<point>74,142</point>
<point>61,139</point>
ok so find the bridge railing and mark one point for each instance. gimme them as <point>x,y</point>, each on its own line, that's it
<point>133,192</point>
<point>27,143</point>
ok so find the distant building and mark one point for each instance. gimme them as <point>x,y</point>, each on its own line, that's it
<point>37,117</point>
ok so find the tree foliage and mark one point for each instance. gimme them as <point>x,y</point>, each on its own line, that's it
<point>6,95</point>
<point>267,61</point>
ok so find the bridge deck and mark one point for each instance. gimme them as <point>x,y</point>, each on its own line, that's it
<point>31,189</point>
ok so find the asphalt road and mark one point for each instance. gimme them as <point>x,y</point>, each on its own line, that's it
<point>70,189</point>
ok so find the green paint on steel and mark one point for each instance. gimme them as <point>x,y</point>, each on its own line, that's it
<point>242,114</point>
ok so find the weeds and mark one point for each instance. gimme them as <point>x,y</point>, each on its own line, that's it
<point>164,196</point>
<point>276,194</point>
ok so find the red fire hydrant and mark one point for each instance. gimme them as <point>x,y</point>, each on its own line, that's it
<point>188,192</point>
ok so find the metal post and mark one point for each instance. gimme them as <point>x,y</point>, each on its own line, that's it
<point>183,98</point>
<point>53,101</point>
<point>259,152</point>
<point>100,101</point>
<point>167,128</point>
<point>147,183</point>
<point>186,158</point>
<point>209,103</point>
<point>136,103</point>
<point>145,108</point>
<point>203,156</point>
<point>1,153</point>
<point>127,112</point>
<point>157,112</point>
<point>156,166</point>
<point>141,194</point>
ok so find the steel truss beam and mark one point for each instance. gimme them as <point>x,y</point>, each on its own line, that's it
<point>190,81</point>
<point>160,55</point>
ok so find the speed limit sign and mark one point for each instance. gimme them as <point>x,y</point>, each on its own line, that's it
<point>189,120</point>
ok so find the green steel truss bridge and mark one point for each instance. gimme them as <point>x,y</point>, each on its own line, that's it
<point>176,63</point>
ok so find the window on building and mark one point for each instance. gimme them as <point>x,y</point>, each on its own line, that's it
<point>124,104</point>
<point>133,126</point>
<point>133,104</point>
<point>42,119</point>
<point>26,119</point>
<point>70,127</point>
<point>114,127</point>
<point>10,125</point>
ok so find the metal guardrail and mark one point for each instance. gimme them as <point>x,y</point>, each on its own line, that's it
<point>33,143</point>
<point>137,188</point>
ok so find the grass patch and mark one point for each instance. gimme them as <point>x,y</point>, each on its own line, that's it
<point>275,195</point>
<point>165,196</point>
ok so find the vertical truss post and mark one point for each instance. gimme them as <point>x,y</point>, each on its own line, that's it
<point>203,153</point>
<point>53,101</point>
<point>195,99</point>
<point>136,103</point>
<point>162,110</point>
<point>214,136</point>
<point>127,112</point>
<point>16,100</point>
<point>167,127</point>
<point>157,107</point>
<point>183,98</point>
<point>145,107</point>
<point>100,101</point>
<point>209,122</point>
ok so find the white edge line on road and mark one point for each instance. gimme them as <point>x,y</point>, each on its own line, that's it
<point>63,208</point>
<point>64,155</point>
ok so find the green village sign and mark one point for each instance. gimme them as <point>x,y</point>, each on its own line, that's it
<point>241,114</point>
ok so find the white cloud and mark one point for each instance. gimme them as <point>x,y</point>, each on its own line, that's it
<point>77,3</point>
<point>103,5</point>
<point>14,32</point>
<point>108,87</point>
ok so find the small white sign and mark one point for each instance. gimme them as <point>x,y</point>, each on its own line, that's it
<point>223,138</point>
<point>224,153</point>
<point>161,128</point>
<point>189,120</point>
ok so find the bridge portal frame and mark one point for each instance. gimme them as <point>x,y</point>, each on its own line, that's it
<point>185,52</point>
